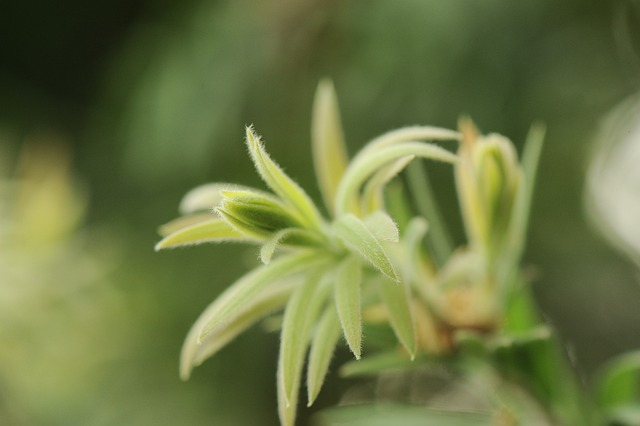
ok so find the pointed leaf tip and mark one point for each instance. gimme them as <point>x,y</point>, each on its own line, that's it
<point>285,187</point>
<point>355,234</point>
<point>322,348</point>
<point>347,297</point>
<point>327,140</point>
<point>212,230</point>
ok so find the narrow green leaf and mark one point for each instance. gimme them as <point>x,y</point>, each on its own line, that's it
<point>327,140</point>
<point>295,236</point>
<point>286,410</point>
<point>270,300</point>
<point>530,159</point>
<point>537,360</point>
<point>407,134</point>
<point>322,347</point>
<point>206,197</point>
<point>439,238</point>
<point>375,364</point>
<point>405,415</point>
<point>412,241</point>
<point>618,382</point>
<point>363,166</point>
<point>184,221</point>
<point>347,297</point>
<point>242,227</point>
<point>239,295</point>
<point>396,299</point>
<point>264,212</point>
<point>266,251</point>
<point>397,204</point>
<point>299,317</point>
<point>382,226</point>
<point>355,234</point>
<point>280,183</point>
<point>213,230</point>
<point>244,290</point>
<point>473,213</point>
<point>373,193</point>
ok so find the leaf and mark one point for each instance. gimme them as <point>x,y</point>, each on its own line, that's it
<point>244,290</point>
<point>213,230</point>
<point>382,226</point>
<point>520,220</point>
<point>473,214</point>
<point>288,235</point>
<point>373,365</point>
<point>327,141</point>
<point>407,134</point>
<point>373,193</point>
<point>537,360</point>
<point>439,239</point>
<point>618,382</point>
<point>412,241</point>
<point>355,234</point>
<point>625,415</point>
<point>347,297</point>
<point>265,213</point>
<point>364,165</point>
<point>322,347</point>
<point>206,197</point>
<point>237,297</point>
<point>299,317</point>
<point>280,183</point>
<point>270,300</point>
<point>406,415</point>
<point>183,222</point>
<point>242,227</point>
<point>396,299</point>
<point>397,204</point>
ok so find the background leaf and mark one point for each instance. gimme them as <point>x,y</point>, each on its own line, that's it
<point>405,415</point>
<point>618,382</point>
<point>327,142</point>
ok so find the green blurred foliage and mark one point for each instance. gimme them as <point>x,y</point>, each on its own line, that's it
<point>151,98</point>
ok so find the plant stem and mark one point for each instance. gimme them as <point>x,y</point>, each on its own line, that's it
<point>438,237</point>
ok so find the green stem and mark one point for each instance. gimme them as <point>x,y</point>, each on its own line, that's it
<point>438,237</point>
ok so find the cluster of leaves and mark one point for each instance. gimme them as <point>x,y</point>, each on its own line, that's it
<point>331,275</point>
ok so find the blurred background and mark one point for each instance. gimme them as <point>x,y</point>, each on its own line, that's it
<point>111,110</point>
